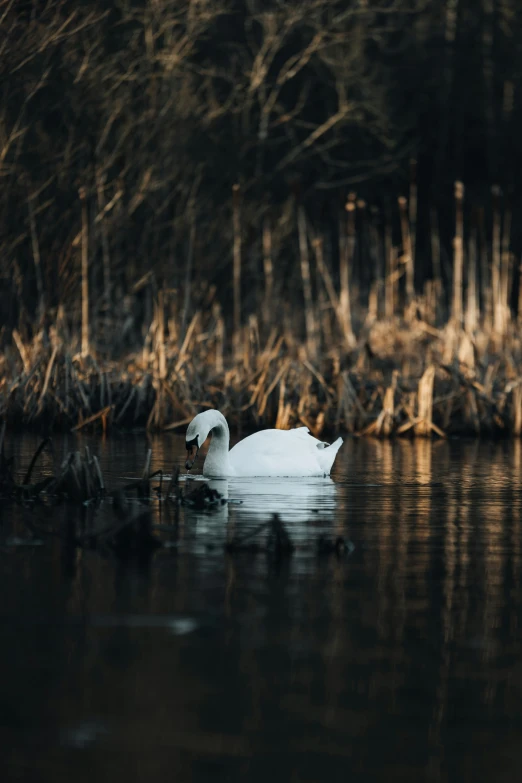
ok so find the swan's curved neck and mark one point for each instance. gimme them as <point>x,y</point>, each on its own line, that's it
<point>216,462</point>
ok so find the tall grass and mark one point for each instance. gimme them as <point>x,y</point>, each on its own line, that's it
<point>356,346</point>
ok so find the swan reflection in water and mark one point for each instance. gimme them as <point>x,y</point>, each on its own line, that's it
<point>252,501</point>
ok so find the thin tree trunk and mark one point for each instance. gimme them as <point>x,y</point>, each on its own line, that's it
<point>104,240</point>
<point>237,260</point>
<point>311,334</point>
<point>36,259</point>
<point>486,303</point>
<point>458,255</point>
<point>407,251</point>
<point>346,259</point>
<point>471,309</point>
<point>188,277</point>
<point>268,269</point>
<point>495,270</point>
<point>413,209</point>
<point>519,315</point>
<point>435,246</point>
<point>389,283</point>
<point>505,268</point>
<point>85,275</point>
<point>162,361</point>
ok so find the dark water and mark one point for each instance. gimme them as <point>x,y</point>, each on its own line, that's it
<point>399,661</point>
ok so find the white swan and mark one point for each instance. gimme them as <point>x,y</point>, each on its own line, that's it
<point>275,453</point>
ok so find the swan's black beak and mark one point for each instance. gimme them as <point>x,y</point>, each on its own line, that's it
<point>192,452</point>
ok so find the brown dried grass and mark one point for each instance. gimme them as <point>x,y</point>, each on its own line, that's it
<point>396,367</point>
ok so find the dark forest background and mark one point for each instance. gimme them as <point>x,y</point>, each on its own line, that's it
<point>153,110</point>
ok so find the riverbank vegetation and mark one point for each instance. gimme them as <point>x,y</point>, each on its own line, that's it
<point>298,213</point>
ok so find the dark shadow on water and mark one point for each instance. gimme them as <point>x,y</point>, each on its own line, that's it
<point>398,660</point>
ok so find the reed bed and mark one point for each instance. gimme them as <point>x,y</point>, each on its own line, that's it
<point>382,361</point>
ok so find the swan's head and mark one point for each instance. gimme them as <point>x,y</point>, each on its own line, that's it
<point>197,433</point>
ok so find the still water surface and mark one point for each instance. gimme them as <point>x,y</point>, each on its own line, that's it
<point>401,660</point>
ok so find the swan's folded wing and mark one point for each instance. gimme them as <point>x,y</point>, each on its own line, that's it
<point>275,442</point>
<point>282,453</point>
<point>271,443</point>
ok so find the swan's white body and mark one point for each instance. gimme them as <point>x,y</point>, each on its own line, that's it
<point>275,453</point>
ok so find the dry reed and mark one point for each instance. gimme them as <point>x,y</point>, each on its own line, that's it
<point>418,370</point>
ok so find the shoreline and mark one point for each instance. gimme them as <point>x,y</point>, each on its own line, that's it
<point>401,379</point>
